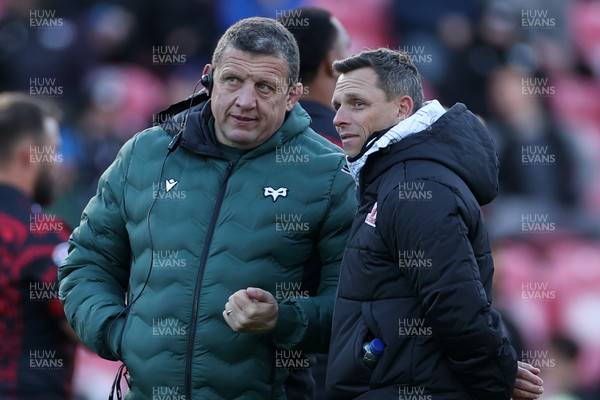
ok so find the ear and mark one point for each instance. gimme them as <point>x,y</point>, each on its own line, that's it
<point>293,96</point>
<point>25,154</point>
<point>405,106</point>
<point>329,59</point>
<point>207,78</point>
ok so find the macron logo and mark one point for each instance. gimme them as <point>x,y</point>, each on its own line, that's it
<point>170,184</point>
<point>269,191</point>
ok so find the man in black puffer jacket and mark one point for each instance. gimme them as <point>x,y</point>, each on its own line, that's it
<point>417,269</point>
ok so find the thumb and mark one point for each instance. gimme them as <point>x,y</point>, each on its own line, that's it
<point>260,295</point>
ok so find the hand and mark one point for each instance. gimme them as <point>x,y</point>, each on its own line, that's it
<point>528,384</point>
<point>251,310</point>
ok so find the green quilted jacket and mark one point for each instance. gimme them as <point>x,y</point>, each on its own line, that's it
<point>185,231</point>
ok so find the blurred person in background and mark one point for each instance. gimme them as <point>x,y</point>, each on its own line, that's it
<point>399,146</point>
<point>562,377</point>
<point>537,160</point>
<point>321,40</point>
<point>37,345</point>
<point>186,217</point>
<point>437,34</point>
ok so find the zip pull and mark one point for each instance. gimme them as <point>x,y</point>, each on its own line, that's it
<point>117,383</point>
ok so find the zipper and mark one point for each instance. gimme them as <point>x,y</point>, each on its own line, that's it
<point>198,288</point>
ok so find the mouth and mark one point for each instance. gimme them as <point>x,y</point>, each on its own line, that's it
<point>242,119</point>
<point>347,136</point>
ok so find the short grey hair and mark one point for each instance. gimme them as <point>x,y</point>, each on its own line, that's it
<point>396,73</point>
<point>264,36</point>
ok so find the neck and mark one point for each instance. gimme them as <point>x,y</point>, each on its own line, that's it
<point>18,181</point>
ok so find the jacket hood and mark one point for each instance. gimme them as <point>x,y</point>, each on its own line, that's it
<point>459,141</point>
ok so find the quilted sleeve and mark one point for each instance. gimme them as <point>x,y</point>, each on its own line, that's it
<point>93,277</point>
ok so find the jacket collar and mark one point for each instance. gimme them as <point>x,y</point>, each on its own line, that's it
<point>424,117</point>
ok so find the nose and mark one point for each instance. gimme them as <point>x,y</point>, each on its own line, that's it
<point>246,96</point>
<point>340,118</point>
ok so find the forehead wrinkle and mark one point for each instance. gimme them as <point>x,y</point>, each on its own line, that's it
<point>354,83</point>
<point>255,67</point>
<point>349,92</point>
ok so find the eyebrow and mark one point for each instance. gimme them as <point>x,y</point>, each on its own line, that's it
<point>349,95</point>
<point>267,78</point>
<point>352,95</point>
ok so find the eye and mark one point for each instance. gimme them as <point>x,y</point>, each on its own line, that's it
<point>265,88</point>
<point>358,103</point>
<point>231,81</point>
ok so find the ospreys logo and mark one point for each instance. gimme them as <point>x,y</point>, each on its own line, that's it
<point>269,191</point>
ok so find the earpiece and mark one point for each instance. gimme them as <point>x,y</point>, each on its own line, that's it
<point>207,82</point>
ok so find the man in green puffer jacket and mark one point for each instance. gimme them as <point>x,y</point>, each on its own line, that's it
<point>210,225</point>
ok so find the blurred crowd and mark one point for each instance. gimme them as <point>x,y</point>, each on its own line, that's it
<point>530,69</point>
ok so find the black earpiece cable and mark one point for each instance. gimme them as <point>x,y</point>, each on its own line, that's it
<point>170,149</point>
